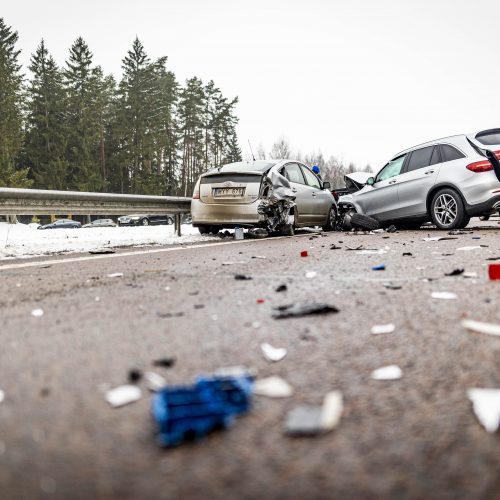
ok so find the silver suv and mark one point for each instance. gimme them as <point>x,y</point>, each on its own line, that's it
<point>447,181</point>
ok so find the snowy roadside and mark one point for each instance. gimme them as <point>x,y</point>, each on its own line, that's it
<point>25,240</point>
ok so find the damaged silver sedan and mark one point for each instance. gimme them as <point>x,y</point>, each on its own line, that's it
<point>277,195</point>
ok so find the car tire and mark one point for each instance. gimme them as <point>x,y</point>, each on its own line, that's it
<point>144,222</point>
<point>448,210</point>
<point>331,223</point>
<point>363,221</point>
<point>287,230</point>
<point>207,229</point>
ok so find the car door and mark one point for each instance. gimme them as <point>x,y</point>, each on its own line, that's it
<point>419,175</point>
<point>303,195</point>
<point>321,201</point>
<point>381,199</point>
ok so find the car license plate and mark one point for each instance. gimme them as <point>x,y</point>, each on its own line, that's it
<point>228,192</point>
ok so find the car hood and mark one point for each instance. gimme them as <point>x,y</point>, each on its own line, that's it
<point>358,178</point>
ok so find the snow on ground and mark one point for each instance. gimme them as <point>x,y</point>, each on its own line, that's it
<point>25,240</point>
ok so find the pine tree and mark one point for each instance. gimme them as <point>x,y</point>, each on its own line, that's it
<point>11,100</point>
<point>45,144</point>
<point>191,109</point>
<point>83,84</point>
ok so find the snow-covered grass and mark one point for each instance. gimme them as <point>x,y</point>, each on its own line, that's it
<point>25,240</point>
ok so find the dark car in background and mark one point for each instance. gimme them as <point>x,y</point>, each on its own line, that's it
<point>144,220</point>
<point>62,224</point>
<point>101,223</point>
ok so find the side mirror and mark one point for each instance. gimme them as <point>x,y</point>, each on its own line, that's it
<point>326,185</point>
<point>370,181</point>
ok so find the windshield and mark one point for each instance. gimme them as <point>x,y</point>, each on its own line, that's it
<point>258,165</point>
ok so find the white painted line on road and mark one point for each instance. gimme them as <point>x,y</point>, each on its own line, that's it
<point>138,252</point>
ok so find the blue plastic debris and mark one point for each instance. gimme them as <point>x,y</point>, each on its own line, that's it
<point>381,267</point>
<point>190,412</point>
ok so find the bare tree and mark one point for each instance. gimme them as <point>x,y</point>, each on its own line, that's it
<point>281,149</point>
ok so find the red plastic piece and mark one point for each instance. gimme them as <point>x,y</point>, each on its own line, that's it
<point>494,271</point>
<point>260,301</point>
<point>304,253</point>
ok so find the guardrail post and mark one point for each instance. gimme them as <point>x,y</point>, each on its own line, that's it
<point>177,222</point>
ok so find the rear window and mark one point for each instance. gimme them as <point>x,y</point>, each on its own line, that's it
<point>241,166</point>
<point>489,137</point>
<point>449,153</point>
<point>420,158</point>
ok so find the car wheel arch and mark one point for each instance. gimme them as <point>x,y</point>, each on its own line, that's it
<point>438,187</point>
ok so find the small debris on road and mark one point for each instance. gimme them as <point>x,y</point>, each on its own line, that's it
<point>260,301</point>
<point>444,295</point>
<point>458,231</point>
<point>98,251</point>
<point>169,315</point>
<point>311,274</point>
<point>134,375</point>
<point>455,272</point>
<point>481,327</point>
<point>312,420</point>
<point>304,253</point>
<point>469,275</point>
<point>390,372</point>
<point>486,407</point>
<point>392,286</point>
<point>282,288</point>
<point>407,254</point>
<point>154,382</point>
<point>242,277</point>
<point>335,247</point>
<point>303,309</point>
<point>494,272</point>
<point>37,313</point>
<point>272,387</point>
<point>468,249</point>
<point>263,257</point>
<point>273,353</point>
<point>380,267</point>
<point>191,412</point>
<point>231,263</point>
<point>380,329</point>
<point>114,275</point>
<point>391,229</point>
<point>438,238</point>
<point>164,362</point>
<point>123,395</point>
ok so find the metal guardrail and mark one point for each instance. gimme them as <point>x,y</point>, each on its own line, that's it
<point>15,201</point>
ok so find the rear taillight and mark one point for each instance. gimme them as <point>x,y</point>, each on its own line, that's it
<point>483,165</point>
<point>196,192</point>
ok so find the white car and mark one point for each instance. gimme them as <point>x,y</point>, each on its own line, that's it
<point>446,181</point>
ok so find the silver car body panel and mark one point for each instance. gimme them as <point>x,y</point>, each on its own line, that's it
<point>231,197</point>
<point>407,195</point>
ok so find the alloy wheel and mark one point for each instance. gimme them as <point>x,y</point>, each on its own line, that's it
<point>445,209</point>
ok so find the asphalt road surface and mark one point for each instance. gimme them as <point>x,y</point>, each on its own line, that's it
<point>411,438</point>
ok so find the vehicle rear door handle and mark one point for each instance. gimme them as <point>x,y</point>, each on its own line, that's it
<point>429,172</point>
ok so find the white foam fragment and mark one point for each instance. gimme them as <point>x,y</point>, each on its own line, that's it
<point>486,406</point>
<point>154,382</point>
<point>37,313</point>
<point>469,275</point>
<point>468,249</point>
<point>272,387</point>
<point>390,372</point>
<point>273,353</point>
<point>331,411</point>
<point>380,329</point>
<point>123,395</point>
<point>114,275</point>
<point>311,274</point>
<point>480,327</point>
<point>444,295</point>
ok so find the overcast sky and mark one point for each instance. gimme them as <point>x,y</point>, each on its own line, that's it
<point>357,79</point>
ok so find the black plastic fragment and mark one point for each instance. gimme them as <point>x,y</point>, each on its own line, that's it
<point>164,362</point>
<point>455,272</point>
<point>282,288</point>
<point>303,309</point>
<point>134,375</point>
<point>242,277</point>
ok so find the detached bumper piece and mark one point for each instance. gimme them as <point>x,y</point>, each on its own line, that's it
<point>188,413</point>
